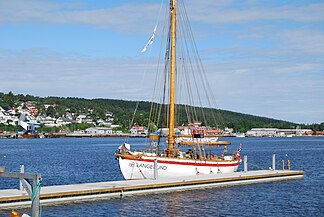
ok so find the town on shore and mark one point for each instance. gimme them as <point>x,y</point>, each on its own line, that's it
<point>27,116</point>
<point>28,121</point>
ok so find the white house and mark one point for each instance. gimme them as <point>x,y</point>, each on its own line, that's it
<point>80,118</point>
<point>99,131</point>
<point>49,121</point>
<point>102,122</point>
<point>63,121</point>
<point>84,119</point>
<point>138,130</point>
<point>6,118</point>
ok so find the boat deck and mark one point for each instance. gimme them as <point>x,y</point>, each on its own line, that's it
<point>11,198</point>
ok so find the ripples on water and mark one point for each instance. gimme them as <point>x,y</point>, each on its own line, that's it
<point>69,160</point>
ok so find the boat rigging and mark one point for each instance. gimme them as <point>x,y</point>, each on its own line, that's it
<point>169,145</point>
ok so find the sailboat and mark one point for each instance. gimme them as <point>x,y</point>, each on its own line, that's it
<point>185,149</point>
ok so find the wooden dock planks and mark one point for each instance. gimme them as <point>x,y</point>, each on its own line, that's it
<point>88,191</point>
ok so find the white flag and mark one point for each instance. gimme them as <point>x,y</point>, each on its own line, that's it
<point>150,41</point>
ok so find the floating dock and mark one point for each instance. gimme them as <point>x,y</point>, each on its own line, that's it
<point>12,198</point>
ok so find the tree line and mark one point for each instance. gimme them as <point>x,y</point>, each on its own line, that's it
<point>123,112</point>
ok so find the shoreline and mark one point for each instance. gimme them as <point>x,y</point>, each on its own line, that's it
<point>66,135</point>
<point>124,135</point>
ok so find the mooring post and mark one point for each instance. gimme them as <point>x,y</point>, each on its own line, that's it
<point>35,196</point>
<point>31,183</point>
<point>22,170</point>
<point>155,168</point>
<point>273,161</point>
<point>245,163</point>
<point>283,164</point>
<point>288,164</point>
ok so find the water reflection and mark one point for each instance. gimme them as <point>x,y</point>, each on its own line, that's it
<point>65,161</point>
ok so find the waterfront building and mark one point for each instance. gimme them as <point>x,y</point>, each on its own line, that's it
<point>138,130</point>
<point>266,132</point>
<point>99,131</point>
<point>295,132</point>
<point>262,132</point>
<point>320,133</point>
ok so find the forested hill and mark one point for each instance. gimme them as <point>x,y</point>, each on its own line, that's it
<point>123,111</point>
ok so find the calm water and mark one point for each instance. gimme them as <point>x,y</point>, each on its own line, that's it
<point>70,160</point>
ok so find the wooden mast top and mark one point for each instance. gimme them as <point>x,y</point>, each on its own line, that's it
<point>171,139</point>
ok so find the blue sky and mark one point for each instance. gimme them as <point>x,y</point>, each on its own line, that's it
<point>263,57</point>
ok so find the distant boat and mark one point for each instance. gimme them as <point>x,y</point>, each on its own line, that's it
<point>185,150</point>
<point>240,135</point>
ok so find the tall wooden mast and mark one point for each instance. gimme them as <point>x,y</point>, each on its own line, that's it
<point>171,140</point>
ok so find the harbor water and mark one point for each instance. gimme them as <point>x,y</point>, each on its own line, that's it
<point>83,160</point>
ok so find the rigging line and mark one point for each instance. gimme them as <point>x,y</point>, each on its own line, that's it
<point>182,75</point>
<point>166,91</point>
<point>151,40</point>
<point>145,70</point>
<point>193,76</point>
<point>190,96</point>
<point>208,87</point>
<point>186,45</point>
<point>201,69</point>
<point>166,69</point>
<point>157,107</point>
<point>178,85</point>
<point>161,6</point>
<point>148,59</point>
<point>182,90</point>
<point>191,108</point>
<point>190,37</point>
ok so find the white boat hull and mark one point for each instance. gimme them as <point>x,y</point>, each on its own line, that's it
<point>143,168</point>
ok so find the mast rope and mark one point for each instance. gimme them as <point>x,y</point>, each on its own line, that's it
<point>33,196</point>
<point>198,73</point>
<point>145,71</point>
<point>192,84</point>
<point>156,108</point>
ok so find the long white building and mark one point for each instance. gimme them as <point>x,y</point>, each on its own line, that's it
<point>278,132</point>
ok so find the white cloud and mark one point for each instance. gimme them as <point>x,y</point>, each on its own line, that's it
<point>125,17</point>
<point>270,68</point>
<point>15,11</point>
<point>303,41</point>
<point>209,11</point>
<point>54,74</point>
<point>261,88</point>
<point>269,87</point>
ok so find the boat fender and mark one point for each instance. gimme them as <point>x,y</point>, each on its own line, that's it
<point>14,214</point>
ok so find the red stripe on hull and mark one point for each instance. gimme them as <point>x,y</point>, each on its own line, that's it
<point>183,163</point>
